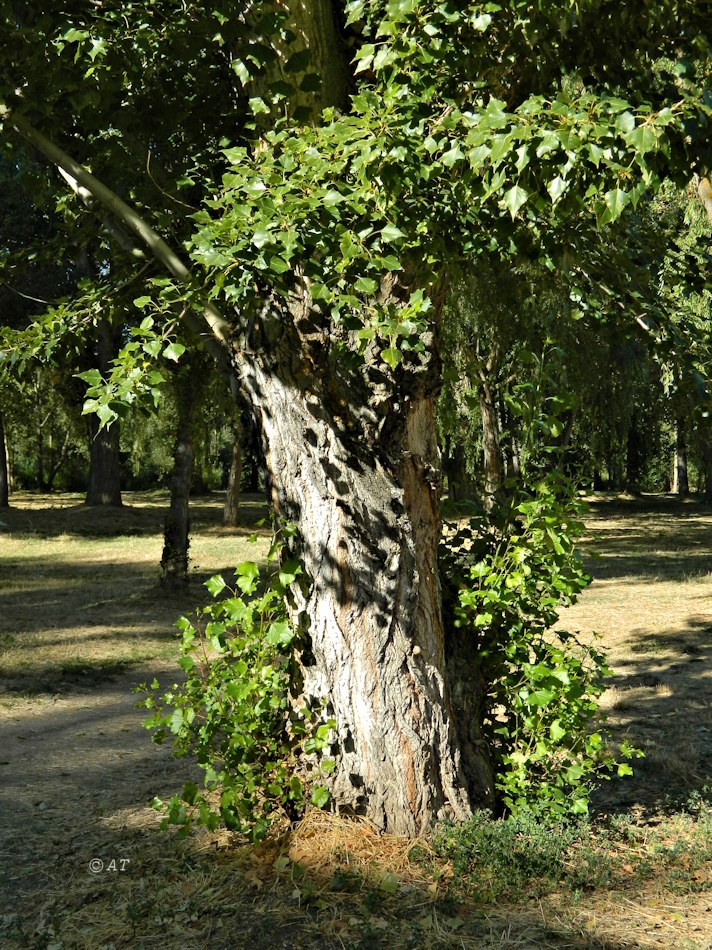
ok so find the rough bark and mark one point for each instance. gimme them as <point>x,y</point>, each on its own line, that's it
<point>4,480</point>
<point>353,461</point>
<point>104,469</point>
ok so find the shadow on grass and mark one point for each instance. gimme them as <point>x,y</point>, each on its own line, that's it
<point>668,540</point>
<point>661,702</point>
<point>142,514</point>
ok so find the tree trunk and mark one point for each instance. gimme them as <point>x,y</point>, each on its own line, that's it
<point>635,459</point>
<point>494,472</point>
<point>706,467</point>
<point>104,470</point>
<point>231,514</point>
<point>174,561</point>
<point>4,480</point>
<point>353,462</point>
<point>510,454</point>
<point>104,477</point>
<point>459,485</point>
<point>680,483</point>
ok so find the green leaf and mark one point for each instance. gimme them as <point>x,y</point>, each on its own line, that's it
<point>392,356</point>
<point>141,302</point>
<point>514,198</point>
<point>258,106</point>
<point>215,585</point>
<point>391,233</point>
<point>366,285</point>
<point>556,731</point>
<point>331,198</point>
<point>241,70</point>
<point>174,351</point>
<point>556,187</point>
<point>321,796</point>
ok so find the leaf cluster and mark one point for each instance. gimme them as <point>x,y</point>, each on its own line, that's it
<point>235,711</point>
<point>512,570</point>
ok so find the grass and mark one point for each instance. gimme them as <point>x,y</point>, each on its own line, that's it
<point>80,587</point>
<point>81,619</point>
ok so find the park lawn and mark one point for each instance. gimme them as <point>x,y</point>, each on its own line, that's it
<point>82,621</point>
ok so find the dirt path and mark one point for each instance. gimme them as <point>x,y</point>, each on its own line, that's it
<point>77,774</point>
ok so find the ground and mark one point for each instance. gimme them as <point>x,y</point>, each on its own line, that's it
<point>84,864</point>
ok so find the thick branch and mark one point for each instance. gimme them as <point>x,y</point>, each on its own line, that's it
<point>88,185</point>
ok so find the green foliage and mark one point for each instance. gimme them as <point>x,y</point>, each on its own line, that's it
<point>235,711</point>
<point>511,570</point>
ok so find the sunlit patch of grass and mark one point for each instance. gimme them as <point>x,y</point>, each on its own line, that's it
<point>73,601</point>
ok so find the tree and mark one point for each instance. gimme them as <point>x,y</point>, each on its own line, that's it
<point>328,247</point>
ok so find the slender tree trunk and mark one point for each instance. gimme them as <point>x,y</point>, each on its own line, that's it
<point>510,451</point>
<point>4,480</point>
<point>680,483</point>
<point>353,461</point>
<point>635,458</point>
<point>174,562</point>
<point>459,485</point>
<point>231,514</point>
<point>706,467</point>
<point>493,466</point>
<point>104,469</point>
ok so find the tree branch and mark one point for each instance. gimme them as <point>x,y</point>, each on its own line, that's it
<point>89,187</point>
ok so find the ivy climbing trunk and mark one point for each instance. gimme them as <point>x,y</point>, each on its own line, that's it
<point>353,462</point>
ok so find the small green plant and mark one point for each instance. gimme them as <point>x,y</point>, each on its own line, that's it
<point>235,711</point>
<point>510,570</point>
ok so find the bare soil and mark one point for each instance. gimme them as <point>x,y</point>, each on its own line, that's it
<point>82,861</point>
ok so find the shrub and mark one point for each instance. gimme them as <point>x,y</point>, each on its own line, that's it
<point>235,711</point>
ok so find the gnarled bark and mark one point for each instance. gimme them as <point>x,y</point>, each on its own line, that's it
<point>353,461</point>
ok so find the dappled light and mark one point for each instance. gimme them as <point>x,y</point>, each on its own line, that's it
<point>78,774</point>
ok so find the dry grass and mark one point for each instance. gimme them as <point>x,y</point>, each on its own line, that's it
<point>81,621</point>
